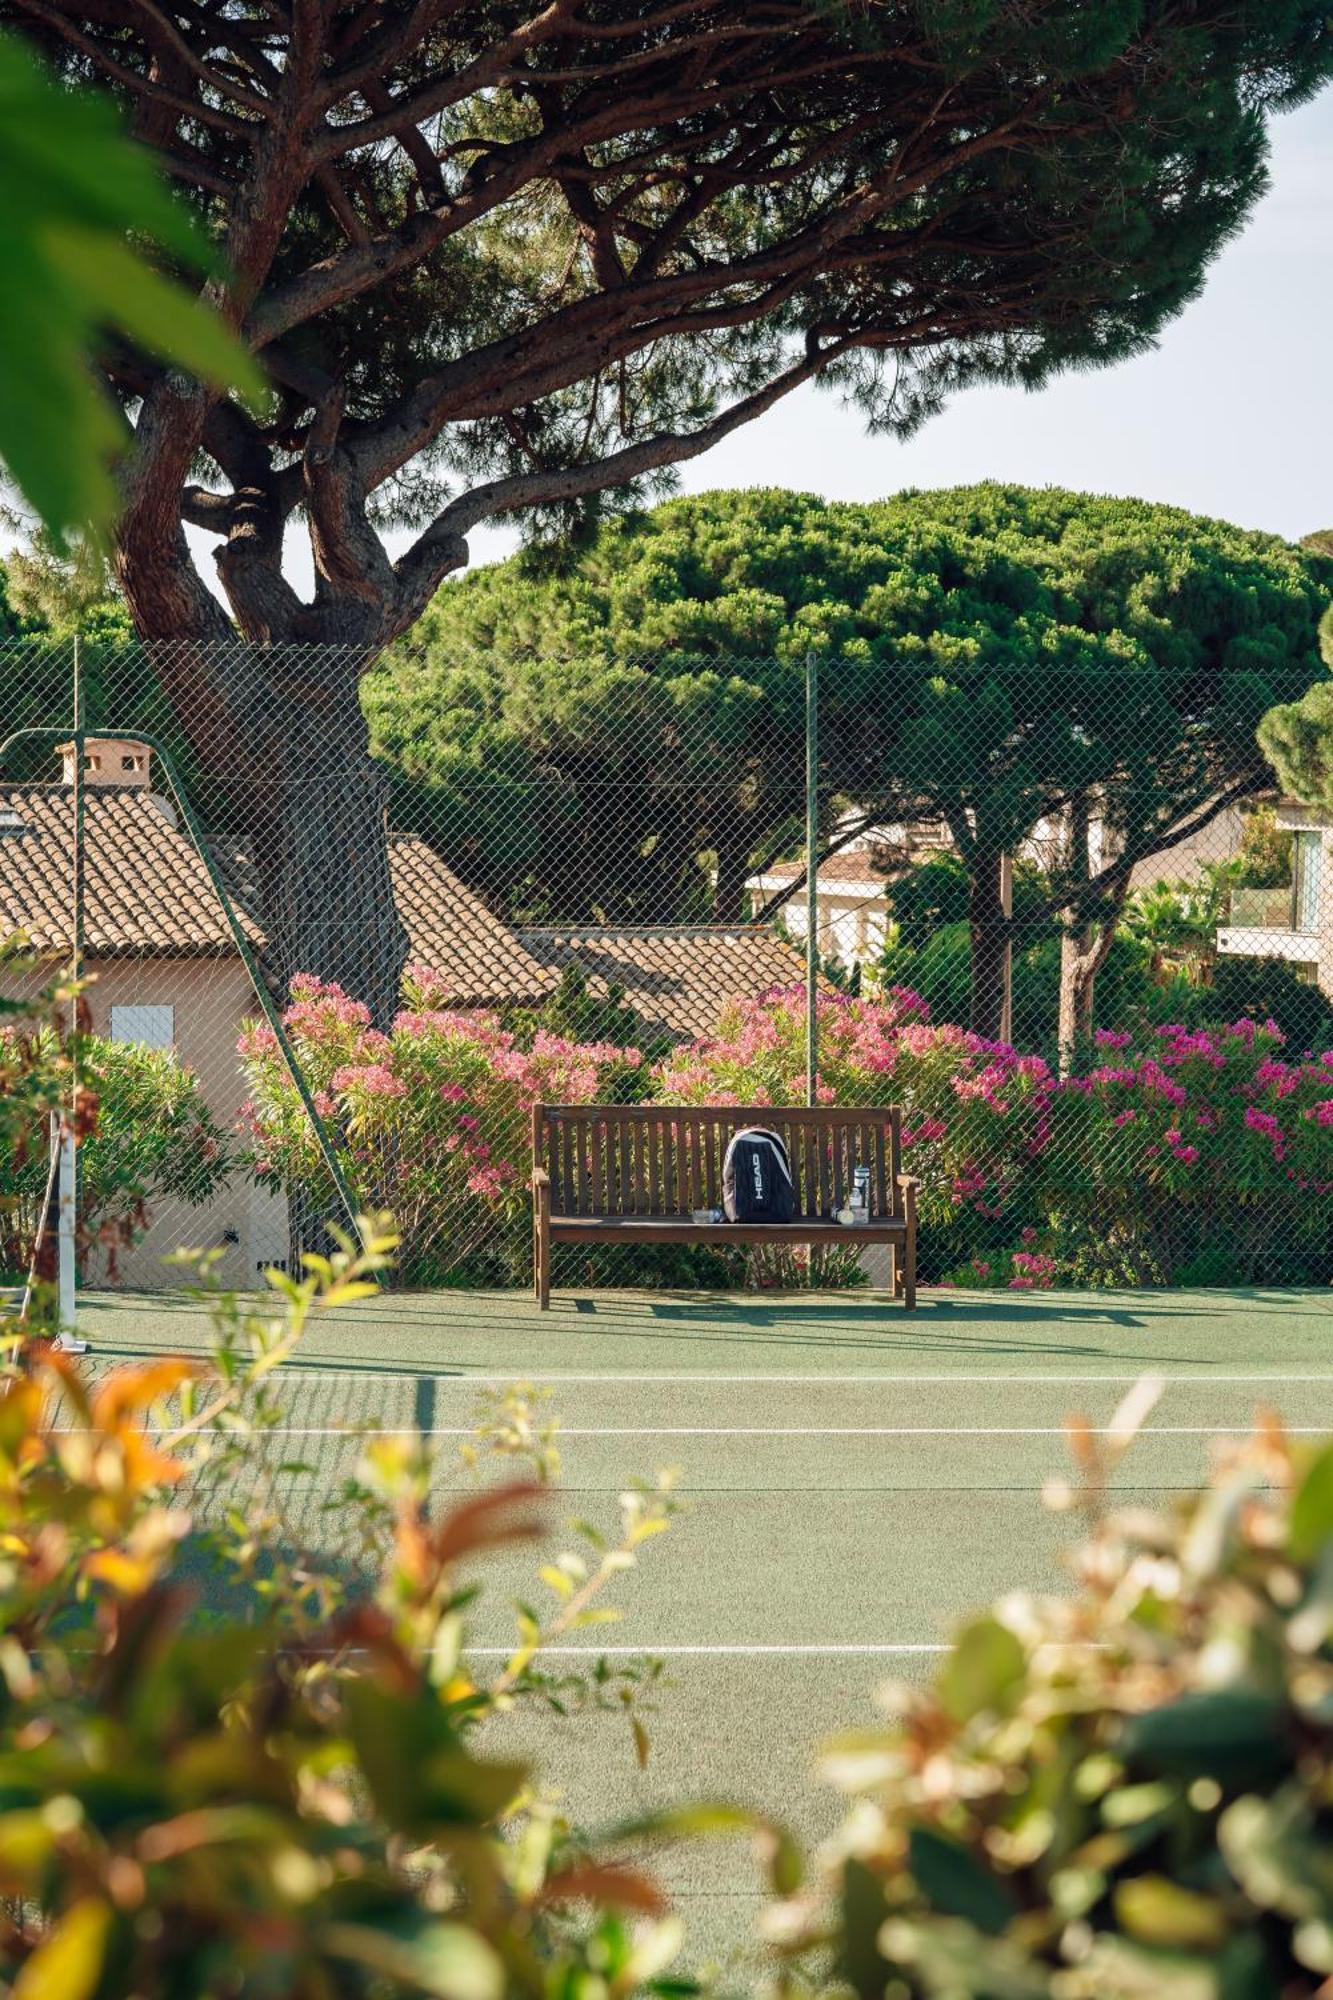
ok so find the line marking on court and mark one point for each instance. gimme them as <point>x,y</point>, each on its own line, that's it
<point>639,1652</point>
<point>353,1372</point>
<point>354,1430</point>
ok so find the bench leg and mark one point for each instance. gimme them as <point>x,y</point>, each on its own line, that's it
<point>544,1272</point>
<point>909,1269</point>
<point>895,1272</point>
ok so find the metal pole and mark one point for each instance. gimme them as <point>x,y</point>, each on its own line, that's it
<point>811,877</point>
<point>67,1211</point>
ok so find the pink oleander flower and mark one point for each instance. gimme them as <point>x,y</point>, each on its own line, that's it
<point>373,1079</point>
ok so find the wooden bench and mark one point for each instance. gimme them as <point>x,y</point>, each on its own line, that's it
<point>632,1173</point>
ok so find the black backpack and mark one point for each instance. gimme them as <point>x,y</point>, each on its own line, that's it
<point>756,1178</point>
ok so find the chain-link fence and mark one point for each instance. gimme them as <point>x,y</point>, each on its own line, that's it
<point>344,921</point>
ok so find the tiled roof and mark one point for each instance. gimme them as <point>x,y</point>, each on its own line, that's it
<point>835,868</point>
<point>147,893</point>
<point>146,889</point>
<point>675,977</point>
<point>479,958</point>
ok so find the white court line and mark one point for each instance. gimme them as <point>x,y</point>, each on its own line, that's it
<point>651,1652</point>
<point>353,1430</point>
<point>337,1370</point>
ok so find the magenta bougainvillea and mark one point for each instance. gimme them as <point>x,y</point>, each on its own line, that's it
<point>976,1114</point>
<point>1177,1154</point>
<point>1200,1147</point>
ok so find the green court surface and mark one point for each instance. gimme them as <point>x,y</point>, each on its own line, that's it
<point>857,1479</point>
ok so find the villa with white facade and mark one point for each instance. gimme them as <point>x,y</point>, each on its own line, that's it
<point>1293,922</point>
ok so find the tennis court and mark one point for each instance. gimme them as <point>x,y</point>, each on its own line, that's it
<point>858,1479</point>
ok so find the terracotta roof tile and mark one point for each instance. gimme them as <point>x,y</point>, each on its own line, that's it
<point>146,888</point>
<point>480,959</point>
<point>147,892</point>
<point>675,977</point>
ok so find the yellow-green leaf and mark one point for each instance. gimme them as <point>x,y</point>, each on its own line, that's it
<point>68,1964</point>
<point>1157,1911</point>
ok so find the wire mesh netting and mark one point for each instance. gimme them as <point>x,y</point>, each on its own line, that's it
<point>345,921</point>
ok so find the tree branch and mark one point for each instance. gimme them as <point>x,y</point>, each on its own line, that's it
<point>418,573</point>
<point>134,80</point>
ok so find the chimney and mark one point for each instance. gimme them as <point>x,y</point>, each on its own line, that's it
<point>110,760</point>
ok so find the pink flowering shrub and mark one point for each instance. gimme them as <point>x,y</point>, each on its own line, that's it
<point>1179,1156</point>
<point>1191,1153</point>
<point>431,1119</point>
<point>976,1114</point>
<point>1027,1269</point>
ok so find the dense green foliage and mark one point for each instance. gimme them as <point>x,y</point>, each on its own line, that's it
<point>1163,964</point>
<point>150,1137</point>
<point>987,655</point>
<point>1122,1792</point>
<point>1297,738</point>
<point>73,191</point>
<point>1298,741</point>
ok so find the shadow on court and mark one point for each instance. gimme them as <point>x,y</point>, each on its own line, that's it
<point>455,1333</point>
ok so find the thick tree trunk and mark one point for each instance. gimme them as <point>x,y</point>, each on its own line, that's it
<point>321,848</point>
<point>289,784</point>
<point>990,933</point>
<point>1078,980</point>
<point>733,869</point>
<point>1084,941</point>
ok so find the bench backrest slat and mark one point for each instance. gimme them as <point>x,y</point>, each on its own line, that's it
<point>666,1160</point>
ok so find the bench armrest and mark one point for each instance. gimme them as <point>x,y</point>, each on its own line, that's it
<point>540,1178</point>
<point>907,1185</point>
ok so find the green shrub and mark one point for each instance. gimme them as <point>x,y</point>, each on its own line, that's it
<point>147,1135</point>
<point>294,1801</point>
<point>1119,1795</point>
<point>1267,989</point>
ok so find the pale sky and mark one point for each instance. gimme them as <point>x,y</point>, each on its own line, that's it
<point>1231,415</point>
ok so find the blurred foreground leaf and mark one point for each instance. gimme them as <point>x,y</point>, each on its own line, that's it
<point>73,189</point>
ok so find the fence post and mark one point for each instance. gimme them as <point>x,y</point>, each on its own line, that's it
<point>811,877</point>
<point>67,1179</point>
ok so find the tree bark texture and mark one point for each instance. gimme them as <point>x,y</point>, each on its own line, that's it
<point>1085,940</point>
<point>989,930</point>
<point>295,801</point>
